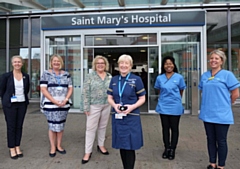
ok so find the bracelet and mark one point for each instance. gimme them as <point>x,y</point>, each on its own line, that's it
<point>66,99</point>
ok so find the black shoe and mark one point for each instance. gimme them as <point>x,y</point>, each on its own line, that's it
<point>13,157</point>
<point>52,154</point>
<point>20,155</point>
<point>86,161</point>
<point>171,154</point>
<point>104,153</point>
<point>165,153</point>
<point>61,152</point>
<point>211,167</point>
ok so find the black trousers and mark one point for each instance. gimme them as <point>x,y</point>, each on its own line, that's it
<point>170,122</point>
<point>14,117</point>
<point>128,158</point>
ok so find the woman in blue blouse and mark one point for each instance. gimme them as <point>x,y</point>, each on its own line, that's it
<point>219,90</point>
<point>171,86</point>
<point>126,94</point>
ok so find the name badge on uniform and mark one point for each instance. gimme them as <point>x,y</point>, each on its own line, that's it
<point>118,116</point>
<point>13,99</point>
<point>59,88</point>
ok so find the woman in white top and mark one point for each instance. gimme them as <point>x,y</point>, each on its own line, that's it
<point>14,88</point>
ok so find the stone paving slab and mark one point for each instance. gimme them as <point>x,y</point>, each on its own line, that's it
<point>190,154</point>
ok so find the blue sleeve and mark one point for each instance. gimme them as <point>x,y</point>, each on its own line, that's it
<point>140,90</point>
<point>44,79</point>
<point>157,84</point>
<point>200,85</point>
<point>182,84</point>
<point>232,82</point>
<point>70,83</point>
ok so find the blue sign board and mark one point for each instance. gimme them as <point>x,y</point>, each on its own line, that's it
<point>122,20</point>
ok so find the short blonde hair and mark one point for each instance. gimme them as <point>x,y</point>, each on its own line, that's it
<point>125,57</point>
<point>221,54</point>
<point>59,58</point>
<point>94,62</point>
<point>17,56</point>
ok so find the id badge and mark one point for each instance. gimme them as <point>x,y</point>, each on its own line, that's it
<point>118,116</point>
<point>13,99</point>
<point>59,88</point>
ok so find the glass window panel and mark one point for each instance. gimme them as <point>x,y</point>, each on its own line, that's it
<point>235,51</point>
<point>35,70</point>
<point>13,6</point>
<point>18,40</point>
<point>94,3</point>
<point>121,40</point>
<point>2,46</point>
<point>25,55</point>
<point>153,65</point>
<point>18,32</point>
<point>217,36</point>
<point>185,48</point>
<point>54,3</point>
<point>35,32</point>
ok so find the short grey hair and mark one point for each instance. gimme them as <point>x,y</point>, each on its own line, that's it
<point>125,57</point>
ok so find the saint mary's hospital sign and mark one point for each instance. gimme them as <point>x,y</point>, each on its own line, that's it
<point>121,20</point>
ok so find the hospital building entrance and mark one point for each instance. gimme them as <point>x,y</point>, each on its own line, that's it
<point>79,44</point>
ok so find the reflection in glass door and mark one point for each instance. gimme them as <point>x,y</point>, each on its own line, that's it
<point>184,47</point>
<point>69,48</point>
<point>153,72</point>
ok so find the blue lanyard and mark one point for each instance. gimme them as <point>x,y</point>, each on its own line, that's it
<point>57,77</point>
<point>119,86</point>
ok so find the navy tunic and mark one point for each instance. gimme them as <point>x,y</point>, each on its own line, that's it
<point>127,132</point>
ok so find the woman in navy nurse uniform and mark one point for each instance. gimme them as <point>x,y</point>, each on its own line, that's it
<point>126,94</point>
<point>219,90</point>
<point>171,86</point>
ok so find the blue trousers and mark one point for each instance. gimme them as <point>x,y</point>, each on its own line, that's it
<point>217,142</point>
<point>14,117</point>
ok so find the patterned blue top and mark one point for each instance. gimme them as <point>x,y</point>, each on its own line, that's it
<point>50,80</point>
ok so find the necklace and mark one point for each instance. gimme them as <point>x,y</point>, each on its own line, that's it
<point>213,75</point>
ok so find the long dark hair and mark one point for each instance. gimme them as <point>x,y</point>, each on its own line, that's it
<point>164,61</point>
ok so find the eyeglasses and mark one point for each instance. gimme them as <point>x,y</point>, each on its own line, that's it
<point>102,63</point>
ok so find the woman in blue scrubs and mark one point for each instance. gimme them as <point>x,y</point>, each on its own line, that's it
<point>171,86</point>
<point>219,90</point>
<point>126,94</point>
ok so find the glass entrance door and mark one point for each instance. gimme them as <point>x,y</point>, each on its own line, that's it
<point>147,49</point>
<point>185,48</point>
